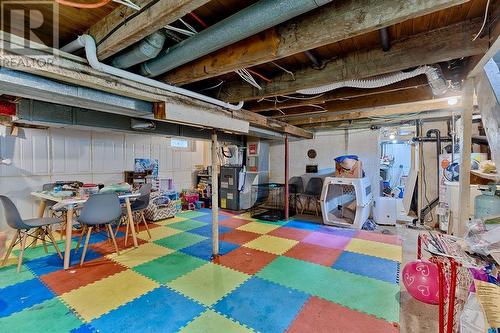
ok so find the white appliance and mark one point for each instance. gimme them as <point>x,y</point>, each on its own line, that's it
<point>385,210</point>
<point>346,202</point>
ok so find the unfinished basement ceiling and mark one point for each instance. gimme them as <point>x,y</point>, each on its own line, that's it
<point>352,50</point>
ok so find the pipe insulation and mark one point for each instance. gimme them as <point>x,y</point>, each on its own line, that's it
<point>245,23</point>
<point>88,43</point>
<point>146,49</point>
<point>434,75</point>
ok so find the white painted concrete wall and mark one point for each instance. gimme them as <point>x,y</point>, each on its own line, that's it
<point>328,145</point>
<point>45,155</point>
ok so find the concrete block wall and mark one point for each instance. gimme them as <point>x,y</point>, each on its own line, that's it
<point>42,156</point>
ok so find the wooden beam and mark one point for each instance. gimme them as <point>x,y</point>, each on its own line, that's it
<point>125,26</point>
<point>443,44</point>
<point>352,123</point>
<point>395,97</point>
<point>331,23</point>
<point>387,110</point>
<point>340,95</point>
<point>465,163</point>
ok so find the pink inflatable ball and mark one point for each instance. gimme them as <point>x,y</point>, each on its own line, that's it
<point>421,279</point>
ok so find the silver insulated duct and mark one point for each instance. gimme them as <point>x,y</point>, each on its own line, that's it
<point>245,23</point>
<point>146,49</point>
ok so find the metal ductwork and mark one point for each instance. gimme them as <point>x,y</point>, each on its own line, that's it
<point>434,75</point>
<point>245,23</point>
<point>146,49</point>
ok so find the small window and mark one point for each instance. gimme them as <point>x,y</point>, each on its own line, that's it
<point>179,143</point>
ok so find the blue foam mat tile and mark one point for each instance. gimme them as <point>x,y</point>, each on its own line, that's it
<point>23,295</point>
<point>203,249</point>
<point>305,225</point>
<point>208,218</point>
<point>52,263</point>
<point>160,310</point>
<point>207,230</point>
<point>272,313</point>
<point>373,267</point>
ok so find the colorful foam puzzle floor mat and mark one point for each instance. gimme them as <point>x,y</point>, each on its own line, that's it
<point>294,276</point>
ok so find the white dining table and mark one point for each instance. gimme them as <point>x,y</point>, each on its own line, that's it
<point>70,204</point>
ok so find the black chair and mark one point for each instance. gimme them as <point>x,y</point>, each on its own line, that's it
<point>100,209</point>
<point>138,206</point>
<point>312,192</point>
<point>295,189</point>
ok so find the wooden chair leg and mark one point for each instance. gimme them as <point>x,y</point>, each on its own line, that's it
<point>113,238</point>
<point>52,239</point>
<point>82,232</point>
<point>9,250</point>
<point>35,234</point>
<point>145,224</point>
<point>41,234</point>
<point>21,254</point>
<point>87,239</point>
<point>126,231</point>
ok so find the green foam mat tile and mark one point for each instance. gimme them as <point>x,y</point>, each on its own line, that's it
<point>31,253</point>
<point>191,214</point>
<point>169,267</point>
<point>9,276</point>
<point>50,316</point>
<point>357,292</point>
<point>187,225</point>
<point>180,241</point>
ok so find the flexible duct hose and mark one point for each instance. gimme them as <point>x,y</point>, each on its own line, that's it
<point>433,72</point>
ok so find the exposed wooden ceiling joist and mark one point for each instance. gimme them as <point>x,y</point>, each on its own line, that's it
<point>125,26</point>
<point>68,68</point>
<point>340,94</point>
<point>454,41</point>
<point>334,22</point>
<point>389,121</point>
<point>382,99</point>
<point>380,111</point>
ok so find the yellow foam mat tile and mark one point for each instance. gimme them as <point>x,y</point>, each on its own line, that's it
<point>257,227</point>
<point>158,233</point>
<point>245,216</point>
<point>132,257</point>
<point>271,244</point>
<point>208,283</point>
<point>98,298</point>
<point>371,248</point>
<point>213,322</point>
<point>171,220</point>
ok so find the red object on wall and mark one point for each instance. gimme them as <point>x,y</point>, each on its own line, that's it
<point>7,108</point>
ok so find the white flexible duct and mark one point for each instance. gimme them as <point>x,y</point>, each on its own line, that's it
<point>88,43</point>
<point>433,73</point>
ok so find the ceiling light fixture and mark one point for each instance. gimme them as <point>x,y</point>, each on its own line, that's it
<point>452,101</point>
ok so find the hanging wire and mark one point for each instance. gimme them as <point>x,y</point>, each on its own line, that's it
<point>245,75</point>
<point>284,69</point>
<point>484,21</point>
<point>190,27</point>
<point>213,87</point>
<point>179,30</point>
<point>84,5</point>
<point>128,3</point>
